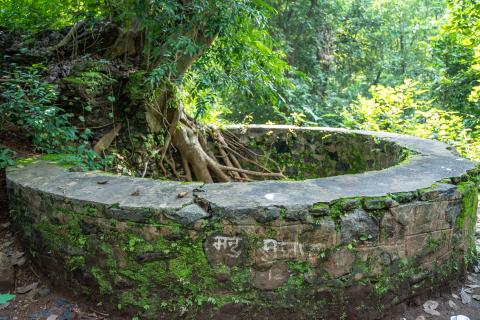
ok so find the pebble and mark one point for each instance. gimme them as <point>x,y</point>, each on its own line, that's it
<point>466,298</point>
<point>429,307</point>
<point>452,305</point>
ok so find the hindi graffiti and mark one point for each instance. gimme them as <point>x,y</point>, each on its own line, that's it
<point>227,250</point>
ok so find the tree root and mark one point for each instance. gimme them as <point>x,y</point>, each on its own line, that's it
<point>202,164</point>
<point>71,36</point>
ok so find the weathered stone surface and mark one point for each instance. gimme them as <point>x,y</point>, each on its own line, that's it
<point>323,236</point>
<point>428,246</point>
<point>454,208</point>
<point>267,214</point>
<point>189,214</point>
<point>141,216</point>
<point>227,250</point>
<point>358,224</point>
<point>421,217</point>
<point>339,263</point>
<point>272,278</point>
<point>320,209</point>
<point>391,231</point>
<point>377,204</point>
<point>7,273</point>
<point>291,232</point>
<point>272,250</point>
<point>404,197</point>
<point>441,192</point>
<point>378,258</point>
<point>250,233</point>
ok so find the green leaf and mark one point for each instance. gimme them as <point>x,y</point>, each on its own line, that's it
<point>6,297</point>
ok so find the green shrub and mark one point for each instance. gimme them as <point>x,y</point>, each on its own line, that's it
<point>403,109</point>
<point>36,15</point>
<point>6,157</point>
<point>30,103</point>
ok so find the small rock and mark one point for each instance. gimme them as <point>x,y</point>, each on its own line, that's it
<point>6,244</point>
<point>189,214</point>
<point>466,298</point>
<point>20,262</point>
<point>272,278</point>
<point>471,279</point>
<point>473,286</point>
<point>27,288</point>
<point>7,272</point>
<point>18,258</point>
<point>452,305</point>
<point>420,318</point>
<point>430,306</point>
<point>182,194</point>
<point>455,296</point>
<point>52,317</point>
<point>476,269</point>
<point>459,317</point>
<point>476,297</point>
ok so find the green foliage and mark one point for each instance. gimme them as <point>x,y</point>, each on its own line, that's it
<point>457,49</point>
<point>6,157</point>
<point>404,109</point>
<point>30,103</point>
<point>345,46</point>
<point>5,297</point>
<point>246,70</point>
<point>36,15</point>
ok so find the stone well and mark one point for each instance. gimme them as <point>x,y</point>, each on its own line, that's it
<point>379,218</point>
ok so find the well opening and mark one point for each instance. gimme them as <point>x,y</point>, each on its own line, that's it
<point>306,154</point>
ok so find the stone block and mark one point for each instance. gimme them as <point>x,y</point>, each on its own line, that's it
<point>420,217</point>
<point>428,246</point>
<point>271,278</point>
<point>379,257</point>
<point>272,250</point>
<point>189,214</point>
<point>339,263</point>
<point>391,232</point>
<point>441,192</point>
<point>323,236</point>
<point>227,250</point>
<point>357,224</point>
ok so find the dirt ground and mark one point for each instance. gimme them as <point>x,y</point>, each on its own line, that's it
<point>36,300</point>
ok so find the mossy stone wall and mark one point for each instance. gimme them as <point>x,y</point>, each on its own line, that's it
<point>166,250</point>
